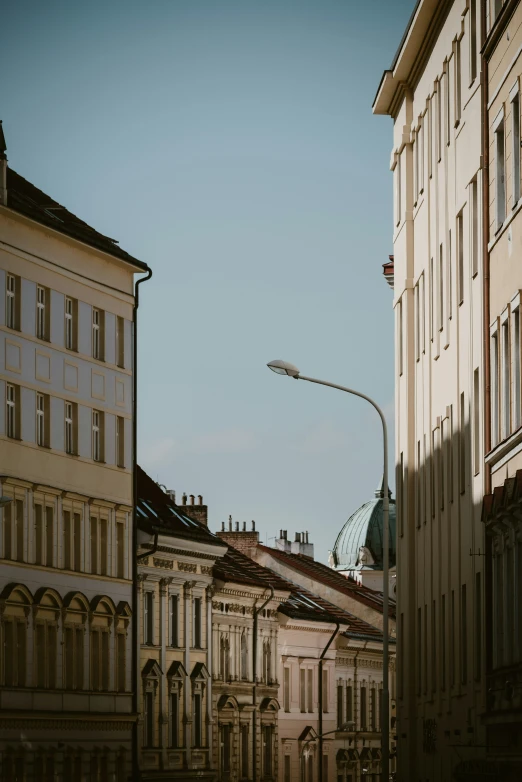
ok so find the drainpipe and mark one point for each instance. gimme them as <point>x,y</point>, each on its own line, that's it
<point>320,726</point>
<point>135,765</point>
<point>149,550</point>
<point>254,688</point>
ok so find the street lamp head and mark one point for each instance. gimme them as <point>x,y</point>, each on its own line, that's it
<point>283,368</point>
<point>5,501</point>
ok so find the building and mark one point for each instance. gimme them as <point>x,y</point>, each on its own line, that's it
<point>503,501</point>
<point>358,549</point>
<point>67,306</point>
<point>176,554</point>
<point>329,662</point>
<point>433,92</point>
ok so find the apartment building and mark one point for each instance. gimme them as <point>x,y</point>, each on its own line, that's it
<point>176,553</point>
<point>502,505</point>
<point>66,465</point>
<point>433,91</point>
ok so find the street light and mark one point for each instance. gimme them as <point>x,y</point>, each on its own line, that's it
<point>285,368</point>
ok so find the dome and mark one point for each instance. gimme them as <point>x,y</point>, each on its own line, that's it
<point>359,543</point>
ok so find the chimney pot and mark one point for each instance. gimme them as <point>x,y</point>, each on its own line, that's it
<point>244,526</point>
<point>230,523</point>
<point>253,526</point>
<point>200,499</point>
<point>237,526</point>
<point>297,537</point>
<point>184,499</point>
<point>192,499</point>
<point>222,526</point>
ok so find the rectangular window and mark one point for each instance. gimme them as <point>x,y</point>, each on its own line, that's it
<point>71,323</point>
<point>121,661</point>
<point>452,639</point>
<point>476,422</point>
<point>421,155</point>
<point>174,620</point>
<point>495,421</point>
<point>197,623</point>
<point>197,717</point>
<point>12,303</point>
<point>310,690</point>
<point>67,539</point>
<point>225,749</point>
<point>441,288</point>
<point>401,337</point>
<point>364,706</point>
<point>443,642</point>
<point>148,618</point>
<point>325,691</point>
<point>419,650</point>
<point>373,708</point>
<point>349,703</point>
<point>77,543</point>
<point>500,174</point>
<point>416,166</point>
<point>120,441</point>
<point>286,689</point>
<point>302,689</point>
<point>449,452</point>
<point>478,627</point>
<point>458,83</point>
<point>174,720</point>
<point>462,445</point>
<point>12,412</point>
<point>98,334</point>
<point>425,649</point>
<point>473,40</point>
<point>505,406</point>
<point>439,120</point>
<point>463,635</point>
<point>515,129</point>
<point>515,341</point>
<point>49,536</point>
<point>417,323</point>
<point>148,721</point>
<point>42,420</point>
<point>120,549</point>
<point>97,435</point>
<point>42,312</point>
<point>433,646</point>
<point>447,86</point>
<point>449,277</point>
<point>71,427</point>
<point>340,705</point>
<point>120,341</point>
<point>288,769</point>
<point>430,120</point>
<point>432,300</point>
<point>38,534</point>
<point>94,543</point>
<point>460,255</point>
<point>244,751</point>
<point>104,524</point>
<point>267,750</point>
<point>474,197</point>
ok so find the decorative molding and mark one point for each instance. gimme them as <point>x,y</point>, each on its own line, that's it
<point>188,567</point>
<point>75,722</point>
<point>185,553</point>
<point>164,563</point>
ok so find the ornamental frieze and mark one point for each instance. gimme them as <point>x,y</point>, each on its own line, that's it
<point>166,563</point>
<point>187,567</point>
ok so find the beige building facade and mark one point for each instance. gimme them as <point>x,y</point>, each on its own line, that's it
<point>66,426</point>
<point>433,91</point>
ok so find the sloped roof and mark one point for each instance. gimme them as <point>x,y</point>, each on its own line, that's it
<point>301,604</point>
<point>25,198</point>
<point>319,572</point>
<point>156,510</point>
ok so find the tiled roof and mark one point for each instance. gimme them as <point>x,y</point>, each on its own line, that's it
<point>319,572</point>
<point>25,198</point>
<point>301,604</point>
<point>156,509</point>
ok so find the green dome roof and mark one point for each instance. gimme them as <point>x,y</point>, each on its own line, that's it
<point>359,543</point>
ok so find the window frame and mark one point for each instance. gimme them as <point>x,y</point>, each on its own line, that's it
<point>42,419</point>
<point>42,312</point>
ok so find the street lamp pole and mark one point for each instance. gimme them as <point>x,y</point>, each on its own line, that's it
<point>284,368</point>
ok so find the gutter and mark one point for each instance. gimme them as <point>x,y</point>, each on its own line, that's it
<point>135,646</point>
<point>254,685</point>
<point>320,722</point>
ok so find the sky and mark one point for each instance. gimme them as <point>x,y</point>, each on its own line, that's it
<point>230,144</point>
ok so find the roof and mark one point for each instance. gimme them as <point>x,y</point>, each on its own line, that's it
<point>301,604</point>
<point>359,544</point>
<point>331,578</point>
<point>156,511</point>
<point>25,198</point>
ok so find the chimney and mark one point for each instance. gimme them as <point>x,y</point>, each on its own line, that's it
<point>282,543</point>
<point>200,499</point>
<point>230,523</point>
<point>197,512</point>
<point>192,499</point>
<point>172,495</point>
<point>302,545</point>
<point>184,499</point>
<point>244,526</point>
<point>237,526</point>
<point>3,168</point>
<point>243,540</point>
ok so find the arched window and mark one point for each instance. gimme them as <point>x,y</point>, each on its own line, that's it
<point>224,658</point>
<point>48,604</point>
<point>75,622</point>
<point>244,656</point>
<point>17,601</point>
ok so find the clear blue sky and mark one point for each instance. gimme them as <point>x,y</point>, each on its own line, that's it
<point>230,144</point>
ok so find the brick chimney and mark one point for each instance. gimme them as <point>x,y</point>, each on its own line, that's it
<point>301,545</point>
<point>197,512</point>
<point>242,539</point>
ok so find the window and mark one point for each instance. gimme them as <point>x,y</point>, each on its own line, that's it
<point>340,704</point>
<point>12,412</point>
<point>505,406</point>
<point>443,643</point>
<point>432,300</point>
<point>13,524</point>
<point>494,369</point>
<point>120,441</point>
<point>120,549</point>
<point>417,322</point>
<point>302,690</point>
<point>121,661</point>
<point>401,336</point>
<point>419,485</point>
<point>224,658</point>
<point>423,313</point>
<point>416,171</point>
<point>15,646</point>
<point>421,155</point>
<point>49,536</point>
<point>174,620</point>
<point>446,81</point>
<point>197,721</point>
<point>325,691</point>
<point>478,627</point>
<point>449,451</point>
<point>515,129</point>
<point>99,656</point>
<point>38,533</point>
<point>120,342</point>
<point>449,277</point>
<point>94,543</point>
<point>98,333</point>
<point>244,752</point>
<point>267,661</point>
<point>148,719</point>
<point>148,618</point>
<point>500,174</point>
<point>441,288</point>
<point>71,323</point>
<point>244,656</point>
<point>439,120</point>
<point>497,7</point>
<point>46,652</point>
<point>197,623</point>
<point>373,708</point>
<point>364,714</point>
<point>77,546</point>
<point>430,120</point>
<point>476,422</point>
<point>310,690</point>
<point>462,445</point>
<point>71,427</point>
<point>42,312</point>
<point>460,255</point>
<point>225,734</point>
<point>349,703</point>
<point>458,83</point>
<point>73,657</point>
<point>425,666</point>
<point>42,420</point>
<point>72,540</point>
<point>174,720</point>
<point>463,635</point>
<point>433,646</point>
<point>97,435</point>
<point>452,639</point>
<point>267,731</point>
<point>515,341</point>
<point>474,226</point>
<point>104,524</point>
<point>12,302</point>
<point>473,40</point>
<point>419,650</point>
<point>288,769</point>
